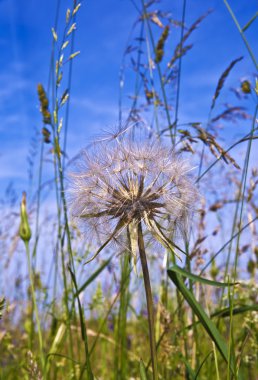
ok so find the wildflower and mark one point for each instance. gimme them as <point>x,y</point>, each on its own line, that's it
<point>123,183</point>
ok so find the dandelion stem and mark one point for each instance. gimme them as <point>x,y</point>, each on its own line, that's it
<point>121,353</point>
<point>149,300</point>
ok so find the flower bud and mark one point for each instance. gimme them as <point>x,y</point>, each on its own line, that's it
<point>24,230</point>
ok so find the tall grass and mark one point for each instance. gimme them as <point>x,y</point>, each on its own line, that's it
<point>89,319</point>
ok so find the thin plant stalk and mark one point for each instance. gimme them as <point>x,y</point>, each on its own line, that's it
<point>226,244</point>
<point>146,19</point>
<point>59,166</point>
<point>240,208</point>
<point>138,82</point>
<point>42,358</point>
<point>121,352</point>
<point>149,300</point>
<point>83,329</point>
<point>60,243</point>
<point>216,361</point>
<point>179,71</point>
<point>252,56</point>
<point>104,320</point>
<point>240,202</point>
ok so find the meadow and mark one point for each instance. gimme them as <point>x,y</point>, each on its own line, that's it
<point>140,253</point>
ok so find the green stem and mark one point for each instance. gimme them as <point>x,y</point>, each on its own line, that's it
<point>216,361</point>
<point>179,71</point>
<point>35,307</point>
<point>162,85</point>
<point>83,330</point>
<point>149,300</point>
<point>104,321</point>
<point>242,34</point>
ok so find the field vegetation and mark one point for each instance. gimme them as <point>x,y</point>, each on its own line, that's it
<point>141,252</point>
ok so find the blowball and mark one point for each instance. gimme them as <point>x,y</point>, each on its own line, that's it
<point>121,183</point>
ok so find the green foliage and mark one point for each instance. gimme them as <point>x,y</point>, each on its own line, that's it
<point>206,322</point>
<point>143,373</point>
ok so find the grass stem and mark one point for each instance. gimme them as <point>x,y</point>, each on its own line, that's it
<point>33,294</point>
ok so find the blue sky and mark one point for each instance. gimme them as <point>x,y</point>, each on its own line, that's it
<point>101,36</point>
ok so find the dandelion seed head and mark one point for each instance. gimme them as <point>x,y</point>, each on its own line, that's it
<point>123,182</point>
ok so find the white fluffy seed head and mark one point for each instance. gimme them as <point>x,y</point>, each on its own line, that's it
<point>122,182</point>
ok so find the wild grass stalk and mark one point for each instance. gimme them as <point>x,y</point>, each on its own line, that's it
<point>242,34</point>
<point>63,233</point>
<point>241,197</point>
<point>25,235</point>
<point>161,82</point>
<point>216,361</point>
<point>178,86</point>
<point>38,324</point>
<point>83,332</point>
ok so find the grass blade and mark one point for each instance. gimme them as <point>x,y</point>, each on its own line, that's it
<point>236,310</point>
<point>201,365</point>
<point>191,374</point>
<point>93,276</point>
<point>143,374</point>
<point>249,22</point>
<point>206,322</point>
<point>56,344</point>
<point>205,281</point>
<point>83,329</point>
<point>224,313</point>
